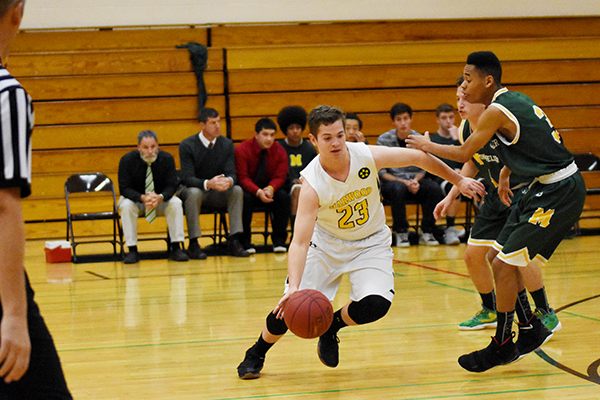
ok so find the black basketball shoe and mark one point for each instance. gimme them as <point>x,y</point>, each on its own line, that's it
<point>492,356</point>
<point>532,335</point>
<point>251,366</point>
<point>329,349</point>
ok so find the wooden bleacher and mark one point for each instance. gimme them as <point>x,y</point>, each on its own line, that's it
<point>95,89</point>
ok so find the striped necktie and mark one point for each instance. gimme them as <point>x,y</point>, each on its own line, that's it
<point>150,214</point>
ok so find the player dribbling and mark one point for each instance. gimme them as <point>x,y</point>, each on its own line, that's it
<point>340,229</point>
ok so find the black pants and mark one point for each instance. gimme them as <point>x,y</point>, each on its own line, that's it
<point>279,208</point>
<point>398,195</point>
<point>44,378</point>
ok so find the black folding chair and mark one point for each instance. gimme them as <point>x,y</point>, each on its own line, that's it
<point>86,187</point>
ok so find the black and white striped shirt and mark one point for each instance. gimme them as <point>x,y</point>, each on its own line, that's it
<point>16,125</point>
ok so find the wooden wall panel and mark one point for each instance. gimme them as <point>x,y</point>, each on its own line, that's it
<point>109,62</point>
<point>405,30</point>
<point>416,52</point>
<point>121,85</point>
<point>31,41</point>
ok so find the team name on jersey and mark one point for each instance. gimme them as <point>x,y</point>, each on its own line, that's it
<point>486,158</point>
<point>352,196</point>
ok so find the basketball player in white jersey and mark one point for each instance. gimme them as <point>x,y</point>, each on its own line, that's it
<point>341,229</point>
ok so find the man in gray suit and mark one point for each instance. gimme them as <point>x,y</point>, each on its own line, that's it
<point>208,177</point>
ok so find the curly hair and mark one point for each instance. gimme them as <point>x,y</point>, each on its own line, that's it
<point>291,115</point>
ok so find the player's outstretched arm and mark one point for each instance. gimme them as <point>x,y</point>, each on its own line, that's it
<point>386,157</point>
<point>490,121</point>
<point>306,215</point>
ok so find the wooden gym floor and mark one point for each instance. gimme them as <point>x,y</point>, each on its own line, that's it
<point>166,330</point>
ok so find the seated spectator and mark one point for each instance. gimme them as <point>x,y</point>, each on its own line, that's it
<point>447,133</point>
<point>262,167</point>
<point>399,185</point>
<point>292,121</point>
<point>208,177</point>
<point>353,128</point>
<point>147,183</point>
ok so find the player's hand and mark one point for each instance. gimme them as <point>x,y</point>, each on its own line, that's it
<point>442,207</point>
<point>15,348</point>
<point>504,191</point>
<point>281,305</point>
<point>505,194</point>
<point>471,188</point>
<point>418,142</point>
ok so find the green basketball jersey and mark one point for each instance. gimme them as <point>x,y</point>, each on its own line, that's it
<point>487,160</point>
<point>537,148</point>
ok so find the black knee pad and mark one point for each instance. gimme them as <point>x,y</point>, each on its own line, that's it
<point>369,309</point>
<point>276,326</point>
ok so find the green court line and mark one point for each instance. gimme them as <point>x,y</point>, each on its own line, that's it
<point>208,341</point>
<point>579,316</point>
<point>418,385</point>
<point>137,346</point>
<point>452,286</point>
<point>353,331</point>
<point>497,392</point>
<point>474,291</point>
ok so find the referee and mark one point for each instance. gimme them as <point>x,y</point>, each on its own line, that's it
<point>29,364</point>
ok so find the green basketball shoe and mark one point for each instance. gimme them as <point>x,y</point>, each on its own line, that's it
<point>549,319</point>
<point>483,319</point>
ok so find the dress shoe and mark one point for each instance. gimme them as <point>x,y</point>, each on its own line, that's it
<point>235,249</point>
<point>179,255</point>
<point>195,252</point>
<point>132,257</point>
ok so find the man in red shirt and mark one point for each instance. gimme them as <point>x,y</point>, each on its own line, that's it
<point>261,165</point>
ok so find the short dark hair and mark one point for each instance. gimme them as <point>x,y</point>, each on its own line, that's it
<point>487,63</point>
<point>324,115</point>
<point>354,116</point>
<point>5,5</point>
<point>265,123</point>
<point>291,115</point>
<point>444,107</point>
<point>206,113</point>
<point>147,134</point>
<point>400,108</point>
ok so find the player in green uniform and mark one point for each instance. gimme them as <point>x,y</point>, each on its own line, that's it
<point>528,145</point>
<point>490,220</point>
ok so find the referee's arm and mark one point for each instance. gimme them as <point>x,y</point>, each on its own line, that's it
<point>16,120</point>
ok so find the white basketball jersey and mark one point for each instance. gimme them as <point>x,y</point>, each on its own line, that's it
<point>349,210</point>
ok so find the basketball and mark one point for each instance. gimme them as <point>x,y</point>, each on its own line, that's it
<point>308,313</point>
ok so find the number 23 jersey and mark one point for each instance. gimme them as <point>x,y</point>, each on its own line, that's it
<point>349,210</point>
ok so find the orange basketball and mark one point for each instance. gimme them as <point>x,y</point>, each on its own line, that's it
<point>308,313</point>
